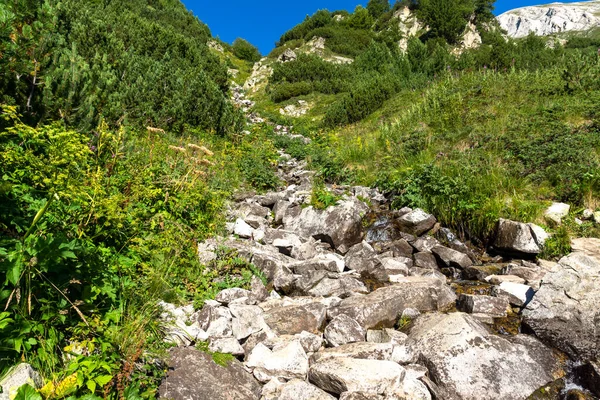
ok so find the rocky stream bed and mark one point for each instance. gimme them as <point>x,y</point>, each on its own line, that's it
<point>367,303</point>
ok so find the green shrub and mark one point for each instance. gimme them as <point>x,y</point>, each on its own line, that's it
<point>246,51</point>
<point>285,90</point>
<point>378,7</point>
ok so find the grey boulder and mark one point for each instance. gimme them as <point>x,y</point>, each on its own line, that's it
<point>194,376</point>
<point>565,312</point>
<point>467,362</point>
<point>383,307</point>
<point>515,238</point>
<point>342,330</point>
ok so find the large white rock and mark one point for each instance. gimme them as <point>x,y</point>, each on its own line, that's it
<point>516,293</point>
<point>342,330</point>
<point>288,363</point>
<point>565,312</point>
<point>338,375</point>
<point>301,390</point>
<point>468,362</point>
<point>247,320</point>
<point>550,19</point>
<point>515,238</point>
<point>22,374</point>
<point>557,211</point>
<point>383,307</point>
<point>242,229</point>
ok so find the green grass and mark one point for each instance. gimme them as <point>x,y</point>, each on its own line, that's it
<point>473,147</point>
<point>222,359</point>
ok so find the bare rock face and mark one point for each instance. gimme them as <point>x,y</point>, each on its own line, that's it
<point>288,362</point>
<point>293,319</point>
<point>194,376</point>
<point>340,225</point>
<point>493,306</point>
<point>515,238</point>
<point>467,362</point>
<point>553,18</point>
<point>339,375</point>
<point>565,312</point>
<point>416,222</point>
<point>342,330</point>
<point>452,258</point>
<point>360,350</point>
<point>383,307</point>
<point>297,389</point>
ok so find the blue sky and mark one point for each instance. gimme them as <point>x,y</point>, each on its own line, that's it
<point>262,22</point>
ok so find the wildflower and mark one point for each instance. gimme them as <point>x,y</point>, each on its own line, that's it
<point>155,130</point>
<point>177,149</point>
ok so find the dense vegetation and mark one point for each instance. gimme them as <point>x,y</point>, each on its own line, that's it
<point>430,121</point>
<point>82,64</point>
<point>118,153</point>
<point>99,215</point>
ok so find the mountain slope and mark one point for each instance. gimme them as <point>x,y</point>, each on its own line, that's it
<point>549,19</point>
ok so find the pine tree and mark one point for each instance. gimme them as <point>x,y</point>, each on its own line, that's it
<point>378,7</point>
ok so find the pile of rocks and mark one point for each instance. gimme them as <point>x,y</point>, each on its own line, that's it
<point>366,303</point>
<point>325,326</point>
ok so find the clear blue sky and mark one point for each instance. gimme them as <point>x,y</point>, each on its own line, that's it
<point>262,22</point>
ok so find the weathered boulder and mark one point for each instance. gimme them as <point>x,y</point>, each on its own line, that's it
<point>451,258</point>
<point>326,284</point>
<point>327,261</point>
<point>467,362</point>
<point>242,229</point>
<point>22,374</point>
<point>194,376</point>
<point>361,350</point>
<point>425,260</point>
<point>229,295</point>
<point>258,289</point>
<point>340,225</point>
<point>363,258</point>
<point>396,265</point>
<point>342,330</point>
<point>293,319</point>
<point>297,389</point>
<point>500,279</point>
<point>383,307</point>
<point>360,396</point>
<point>289,362</point>
<point>565,312</point>
<point>515,238</point>
<point>338,375</point>
<point>247,320</point>
<point>587,246</point>
<point>288,55</point>
<point>226,345</point>
<point>556,212</point>
<point>416,222</point>
<point>516,293</point>
<point>493,306</point>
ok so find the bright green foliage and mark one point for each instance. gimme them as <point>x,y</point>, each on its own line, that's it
<point>82,64</point>
<point>446,19</point>
<point>244,50</point>
<point>360,19</point>
<point>378,7</point>
<point>94,231</point>
<point>321,198</point>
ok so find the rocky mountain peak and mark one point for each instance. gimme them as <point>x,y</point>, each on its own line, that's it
<point>550,19</point>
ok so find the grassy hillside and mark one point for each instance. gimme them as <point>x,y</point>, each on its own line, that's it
<point>496,131</point>
<point>117,155</point>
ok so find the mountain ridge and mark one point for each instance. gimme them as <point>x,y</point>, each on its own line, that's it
<point>548,19</point>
